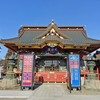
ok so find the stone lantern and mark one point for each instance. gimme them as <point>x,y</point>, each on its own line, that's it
<point>10,80</point>
<point>91,64</point>
<point>11,63</point>
<point>91,82</point>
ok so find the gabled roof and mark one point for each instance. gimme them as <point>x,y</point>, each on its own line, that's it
<point>75,35</point>
<point>52,25</point>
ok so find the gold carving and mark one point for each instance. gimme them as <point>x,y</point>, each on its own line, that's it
<point>3,43</point>
<point>68,47</point>
<point>77,46</point>
<point>52,72</point>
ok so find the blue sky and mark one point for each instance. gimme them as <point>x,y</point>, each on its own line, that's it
<point>14,13</point>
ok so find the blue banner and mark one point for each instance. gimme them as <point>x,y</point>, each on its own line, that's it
<point>75,78</point>
<point>52,49</point>
<point>74,70</point>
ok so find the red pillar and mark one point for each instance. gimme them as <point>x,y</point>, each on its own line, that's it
<point>7,70</point>
<point>19,75</point>
<point>98,73</point>
<point>84,77</point>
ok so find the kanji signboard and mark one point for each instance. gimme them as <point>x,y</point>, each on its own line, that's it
<point>27,71</point>
<point>52,49</point>
<point>74,69</point>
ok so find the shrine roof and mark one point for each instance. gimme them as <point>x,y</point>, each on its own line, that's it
<point>73,37</point>
<point>38,34</point>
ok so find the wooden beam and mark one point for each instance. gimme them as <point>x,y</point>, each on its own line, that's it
<point>10,48</point>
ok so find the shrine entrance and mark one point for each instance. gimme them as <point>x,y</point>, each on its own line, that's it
<point>51,65</point>
<point>52,68</point>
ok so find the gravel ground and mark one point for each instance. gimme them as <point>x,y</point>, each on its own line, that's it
<point>36,86</point>
<point>12,99</point>
<point>82,92</point>
<point>0,81</point>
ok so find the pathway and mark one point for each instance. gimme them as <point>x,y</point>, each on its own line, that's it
<point>56,92</point>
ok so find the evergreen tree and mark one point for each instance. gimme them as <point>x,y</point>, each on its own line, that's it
<point>5,62</point>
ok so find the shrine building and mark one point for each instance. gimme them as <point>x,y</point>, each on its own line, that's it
<point>51,45</point>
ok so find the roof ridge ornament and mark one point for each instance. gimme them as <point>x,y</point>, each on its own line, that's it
<point>84,26</point>
<point>52,20</point>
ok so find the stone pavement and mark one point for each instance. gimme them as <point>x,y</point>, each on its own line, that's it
<point>56,92</point>
<point>48,91</point>
<point>15,94</point>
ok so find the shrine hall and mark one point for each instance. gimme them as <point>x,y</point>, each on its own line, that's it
<point>51,45</point>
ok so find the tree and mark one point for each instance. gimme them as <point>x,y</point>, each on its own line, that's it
<point>0,49</point>
<point>5,61</point>
<point>9,53</point>
<point>1,62</point>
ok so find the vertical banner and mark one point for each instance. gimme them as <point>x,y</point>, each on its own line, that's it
<point>27,70</point>
<point>20,62</point>
<point>74,65</point>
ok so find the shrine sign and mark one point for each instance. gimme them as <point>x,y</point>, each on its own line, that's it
<point>74,70</point>
<point>27,70</point>
<point>52,49</point>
